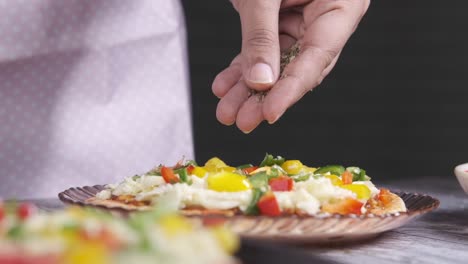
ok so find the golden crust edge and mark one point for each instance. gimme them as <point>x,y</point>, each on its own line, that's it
<point>397,205</point>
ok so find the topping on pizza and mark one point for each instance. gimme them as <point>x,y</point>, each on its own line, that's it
<point>275,186</point>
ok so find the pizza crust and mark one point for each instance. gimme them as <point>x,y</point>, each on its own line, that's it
<point>395,205</point>
<point>375,207</point>
<point>114,204</point>
<point>189,211</point>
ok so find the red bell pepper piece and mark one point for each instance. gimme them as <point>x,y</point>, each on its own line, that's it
<point>213,221</point>
<point>17,258</point>
<point>346,206</point>
<point>102,236</point>
<point>347,177</point>
<point>190,169</point>
<point>268,205</point>
<point>281,184</point>
<point>2,211</point>
<point>384,196</point>
<point>25,210</point>
<point>169,175</point>
<point>249,169</point>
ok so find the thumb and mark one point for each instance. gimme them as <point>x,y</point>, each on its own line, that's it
<point>260,42</point>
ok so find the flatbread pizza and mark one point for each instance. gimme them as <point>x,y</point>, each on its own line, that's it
<point>274,187</point>
<point>80,235</point>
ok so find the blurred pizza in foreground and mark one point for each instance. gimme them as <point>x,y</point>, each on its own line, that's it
<point>80,235</point>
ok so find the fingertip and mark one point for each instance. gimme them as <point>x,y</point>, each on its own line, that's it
<point>246,132</point>
<point>225,80</point>
<point>279,99</point>
<point>271,115</point>
<point>245,128</point>
<point>245,124</point>
<point>250,115</point>
<point>258,86</point>
<point>261,73</point>
<point>260,76</point>
<point>273,120</point>
<point>219,86</point>
<point>225,114</point>
<point>228,107</point>
<point>274,106</point>
<point>216,88</point>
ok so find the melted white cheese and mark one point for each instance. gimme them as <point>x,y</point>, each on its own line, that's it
<point>104,194</point>
<point>306,196</point>
<point>132,186</point>
<point>298,200</point>
<point>197,195</point>
<point>323,189</point>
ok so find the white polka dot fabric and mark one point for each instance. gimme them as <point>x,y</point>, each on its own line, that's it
<point>91,91</point>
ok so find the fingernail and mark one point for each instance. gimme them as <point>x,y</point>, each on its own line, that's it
<point>274,120</point>
<point>246,132</point>
<point>261,73</point>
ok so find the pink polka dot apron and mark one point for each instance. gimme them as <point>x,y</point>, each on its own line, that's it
<point>90,92</point>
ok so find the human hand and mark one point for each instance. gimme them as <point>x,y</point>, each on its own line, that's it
<point>320,27</point>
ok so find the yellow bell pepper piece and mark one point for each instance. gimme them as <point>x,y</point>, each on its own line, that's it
<point>87,252</point>
<point>76,212</point>
<point>292,166</point>
<point>228,169</point>
<point>174,224</point>
<point>362,191</point>
<point>228,241</point>
<point>199,172</point>
<point>335,180</point>
<point>228,182</point>
<point>213,169</point>
<point>210,169</point>
<point>215,162</point>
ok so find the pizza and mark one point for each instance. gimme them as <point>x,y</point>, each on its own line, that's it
<point>77,235</point>
<point>274,187</point>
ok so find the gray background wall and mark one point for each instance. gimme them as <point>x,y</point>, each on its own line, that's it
<point>396,103</point>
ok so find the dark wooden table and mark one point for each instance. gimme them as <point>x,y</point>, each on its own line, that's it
<point>438,237</point>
